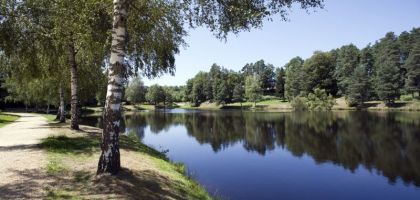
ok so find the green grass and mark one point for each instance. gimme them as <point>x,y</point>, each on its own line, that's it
<point>143,107</point>
<point>7,119</point>
<point>55,164</point>
<point>82,149</point>
<point>75,145</point>
<point>266,104</point>
<point>146,107</point>
<point>185,182</point>
<point>60,147</point>
<point>91,109</point>
<point>49,117</point>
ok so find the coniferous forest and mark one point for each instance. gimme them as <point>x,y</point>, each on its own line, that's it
<point>384,71</point>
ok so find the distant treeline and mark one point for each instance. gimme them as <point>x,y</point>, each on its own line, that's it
<point>382,71</point>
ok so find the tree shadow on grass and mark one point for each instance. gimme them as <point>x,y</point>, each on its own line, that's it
<point>127,184</point>
<point>145,184</point>
<point>28,186</point>
<point>18,147</point>
<point>75,145</point>
<point>91,143</point>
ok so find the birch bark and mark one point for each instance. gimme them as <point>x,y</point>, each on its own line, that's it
<point>62,110</point>
<point>109,161</point>
<point>74,124</point>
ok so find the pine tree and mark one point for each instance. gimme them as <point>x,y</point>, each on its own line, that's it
<point>358,86</point>
<point>368,61</point>
<point>412,66</point>
<point>346,61</point>
<point>388,76</point>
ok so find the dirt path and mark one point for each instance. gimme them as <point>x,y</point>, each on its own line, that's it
<point>22,173</point>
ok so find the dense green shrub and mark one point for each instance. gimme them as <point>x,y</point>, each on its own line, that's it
<point>316,101</point>
<point>406,97</point>
<point>299,103</point>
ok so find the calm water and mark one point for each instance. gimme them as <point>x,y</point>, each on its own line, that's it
<point>248,155</point>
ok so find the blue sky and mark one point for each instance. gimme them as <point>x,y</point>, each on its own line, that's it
<point>341,22</point>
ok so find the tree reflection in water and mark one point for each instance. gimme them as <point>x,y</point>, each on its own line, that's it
<point>388,143</point>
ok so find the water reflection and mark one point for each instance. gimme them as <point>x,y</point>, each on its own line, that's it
<point>388,143</point>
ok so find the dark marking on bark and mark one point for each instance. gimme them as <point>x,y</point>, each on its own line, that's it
<point>109,161</point>
<point>74,100</point>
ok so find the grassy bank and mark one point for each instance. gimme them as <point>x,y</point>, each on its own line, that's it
<point>7,119</point>
<point>136,107</point>
<point>278,105</point>
<point>146,173</point>
<point>266,105</point>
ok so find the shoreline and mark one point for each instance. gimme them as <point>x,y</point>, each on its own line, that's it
<point>341,105</point>
<point>69,161</point>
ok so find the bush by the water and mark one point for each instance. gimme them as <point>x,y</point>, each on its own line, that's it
<point>408,97</point>
<point>316,101</point>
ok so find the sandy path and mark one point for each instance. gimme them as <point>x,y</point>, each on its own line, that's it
<point>22,173</point>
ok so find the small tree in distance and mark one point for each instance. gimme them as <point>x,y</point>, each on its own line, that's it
<point>135,91</point>
<point>253,88</point>
<point>238,93</point>
<point>155,95</point>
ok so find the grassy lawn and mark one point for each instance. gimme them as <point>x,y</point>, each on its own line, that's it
<point>139,107</point>
<point>49,117</point>
<point>146,173</point>
<point>270,104</point>
<point>7,119</point>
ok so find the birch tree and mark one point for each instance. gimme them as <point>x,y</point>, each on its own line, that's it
<point>75,30</point>
<point>156,31</point>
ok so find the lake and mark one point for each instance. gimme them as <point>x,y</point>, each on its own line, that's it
<point>314,155</point>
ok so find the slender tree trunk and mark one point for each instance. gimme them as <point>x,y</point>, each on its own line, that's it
<point>73,70</point>
<point>57,117</point>
<point>109,162</point>
<point>62,109</point>
<point>48,108</point>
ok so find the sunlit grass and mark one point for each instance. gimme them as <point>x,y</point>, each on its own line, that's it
<point>49,117</point>
<point>7,119</point>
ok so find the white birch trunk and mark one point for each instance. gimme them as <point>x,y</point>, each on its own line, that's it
<point>62,109</point>
<point>74,99</point>
<point>109,162</point>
